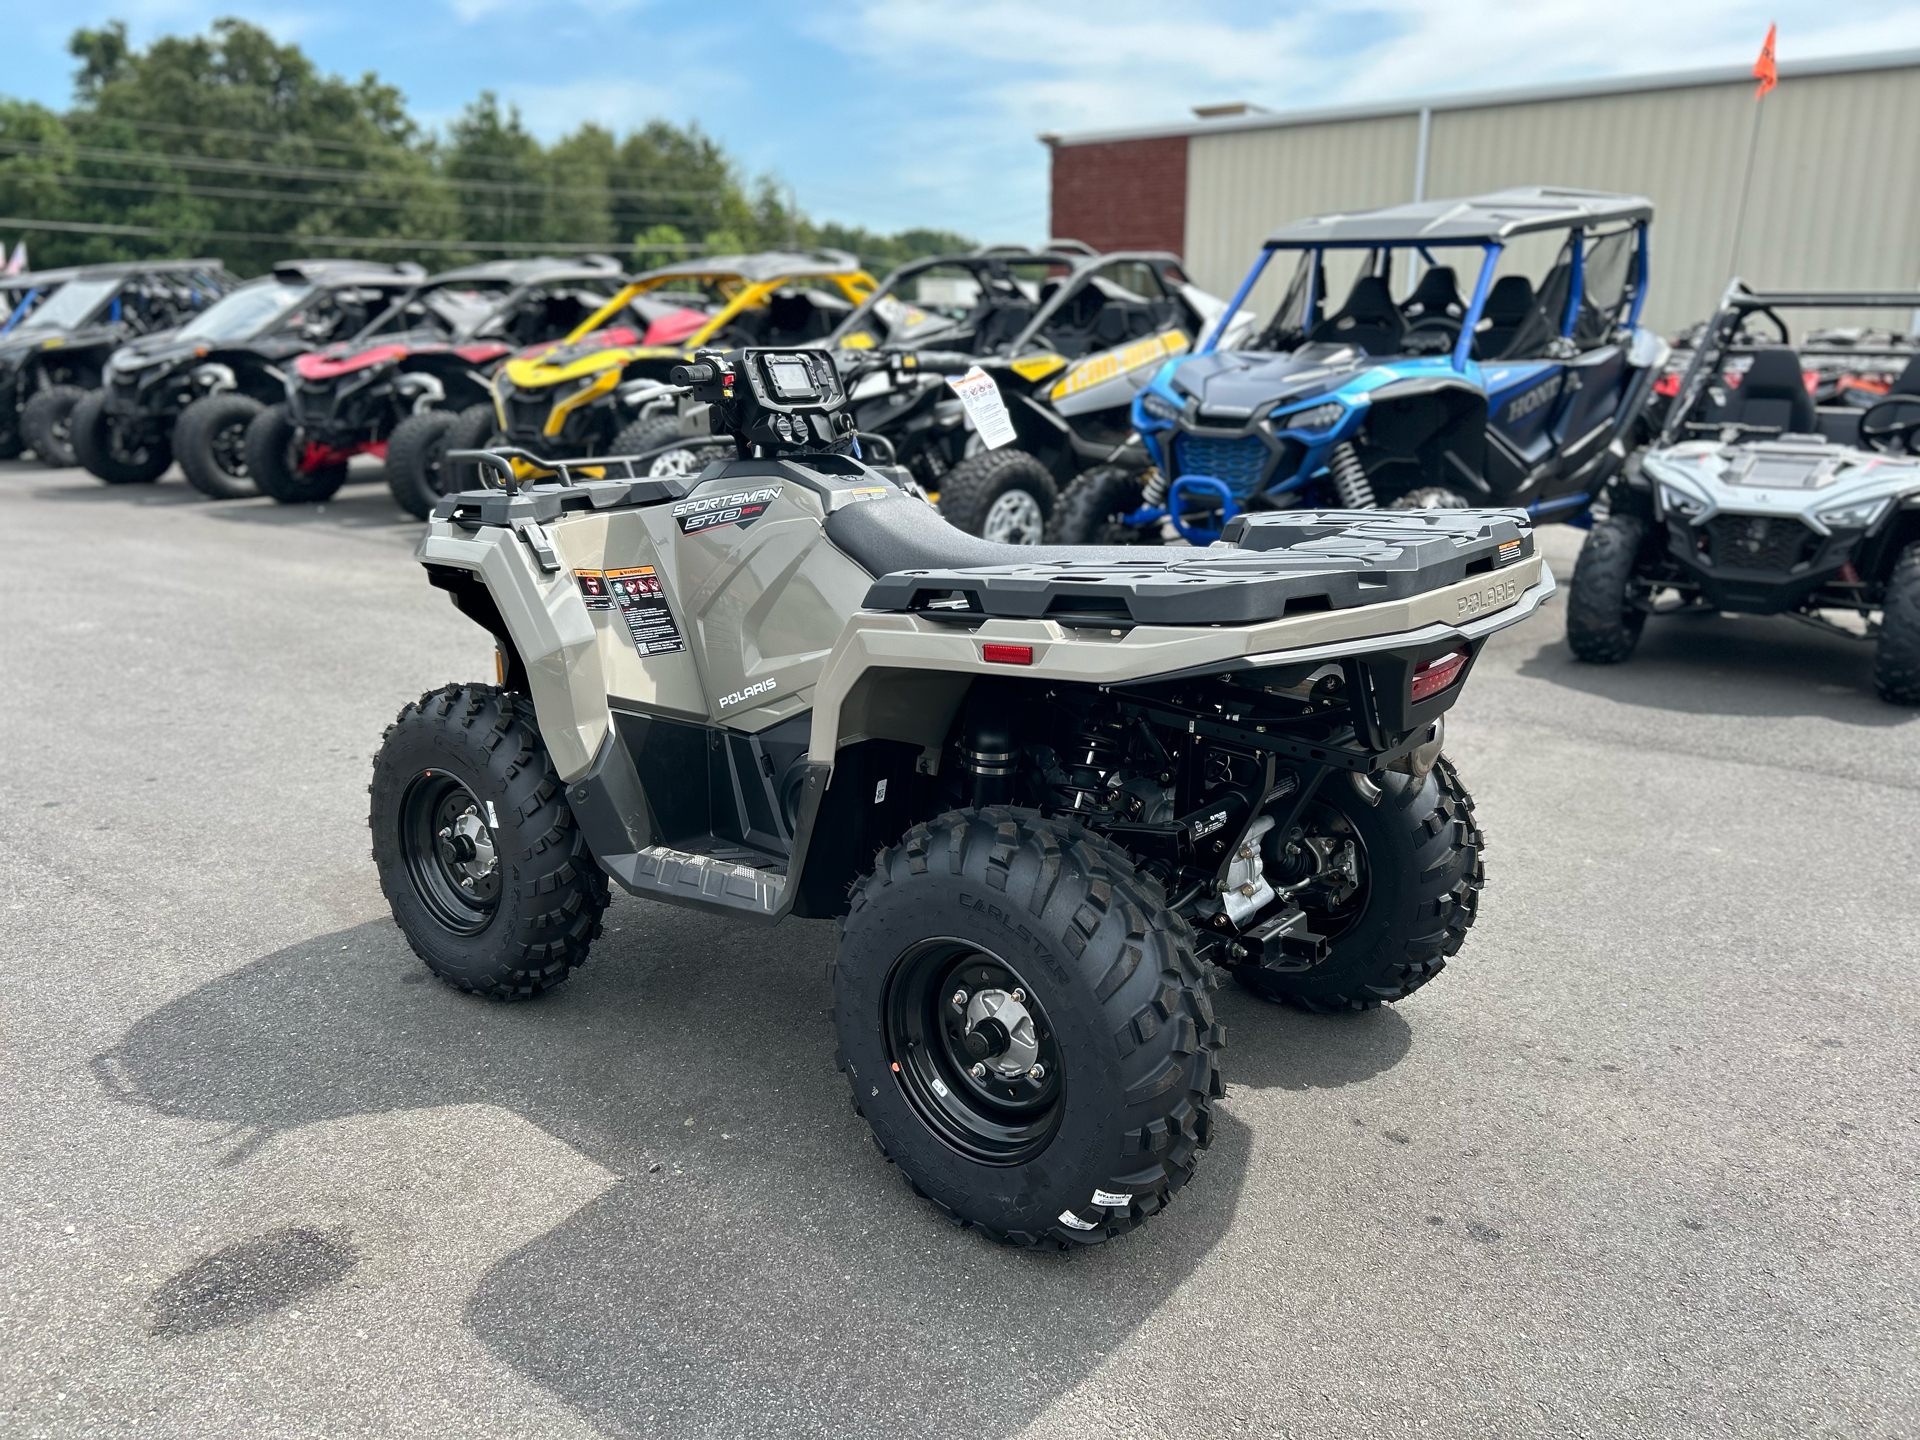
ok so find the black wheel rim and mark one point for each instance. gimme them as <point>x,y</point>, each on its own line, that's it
<point>230,448</point>
<point>451,851</point>
<point>995,1119</point>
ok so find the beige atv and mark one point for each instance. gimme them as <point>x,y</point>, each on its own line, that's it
<point>1045,791</point>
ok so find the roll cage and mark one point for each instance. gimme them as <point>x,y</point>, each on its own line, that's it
<point>1561,314</point>
<point>149,296</point>
<point>745,282</point>
<point>512,280</point>
<point>1721,340</point>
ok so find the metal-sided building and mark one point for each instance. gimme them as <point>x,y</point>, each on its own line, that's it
<point>1835,198</point>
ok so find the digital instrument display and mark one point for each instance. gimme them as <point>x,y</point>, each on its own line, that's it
<point>791,378</point>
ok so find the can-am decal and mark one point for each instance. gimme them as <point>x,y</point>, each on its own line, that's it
<point>740,697</point>
<point>1098,368</point>
<point>741,508</point>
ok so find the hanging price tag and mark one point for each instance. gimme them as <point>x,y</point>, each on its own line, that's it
<point>986,411</point>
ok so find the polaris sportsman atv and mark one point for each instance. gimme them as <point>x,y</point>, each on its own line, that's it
<point>190,394</point>
<point>1408,392</point>
<point>1756,500</point>
<point>1040,788</point>
<point>601,389</point>
<point>69,322</point>
<point>1067,337</point>
<point>432,350</point>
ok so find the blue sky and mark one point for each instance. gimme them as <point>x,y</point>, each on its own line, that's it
<point>892,113</point>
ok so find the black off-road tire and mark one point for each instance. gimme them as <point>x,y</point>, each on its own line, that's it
<point>637,437</point>
<point>971,489</point>
<point>1424,875</point>
<point>1431,497</point>
<point>273,443</point>
<point>1119,989</point>
<point>1603,625</point>
<point>1896,659</point>
<point>210,442</point>
<point>1089,512</point>
<point>45,424</point>
<point>474,428</point>
<point>104,448</point>
<point>550,893</point>
<point>414,464</point>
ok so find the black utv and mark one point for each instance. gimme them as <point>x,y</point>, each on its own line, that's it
<point>189,394</point>
<point>434,349</point>
<point>58,351</point>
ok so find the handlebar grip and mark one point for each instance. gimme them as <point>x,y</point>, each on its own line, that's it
<point>693,374</point>
<point>944,362</point>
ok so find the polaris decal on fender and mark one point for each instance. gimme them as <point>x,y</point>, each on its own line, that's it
<point>740,697</point>
<point>741,508</point>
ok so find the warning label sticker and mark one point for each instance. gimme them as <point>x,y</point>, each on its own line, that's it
<point>643,605</point>
<point>593,589</point>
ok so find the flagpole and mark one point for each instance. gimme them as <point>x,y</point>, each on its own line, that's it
<point>1746,187</point>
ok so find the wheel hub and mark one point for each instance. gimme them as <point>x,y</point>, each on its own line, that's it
<point>1014,519</point>
<point>467,848</point>
<point>1000,1033</point>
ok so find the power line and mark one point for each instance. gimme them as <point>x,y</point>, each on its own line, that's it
<point>214,164</point>
<point>290,197</point>
<point>363,242</point>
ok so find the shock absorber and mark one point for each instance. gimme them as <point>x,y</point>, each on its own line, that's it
<point>1153,487</point>
<point>1092,755</point>
<point>1350,478</point>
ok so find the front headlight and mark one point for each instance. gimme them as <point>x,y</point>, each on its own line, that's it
<point>1678,502</point>
<point>1860,515</point>
<point>1159,407</point>
<point>1320,417</point>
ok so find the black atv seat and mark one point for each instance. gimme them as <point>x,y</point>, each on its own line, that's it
<point>1507,305</point>
<point>1436,297</point>
<point>1283,564</point>
<point>1771,395</point>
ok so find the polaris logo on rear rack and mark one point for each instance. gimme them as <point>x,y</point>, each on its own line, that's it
<point>741,508</point>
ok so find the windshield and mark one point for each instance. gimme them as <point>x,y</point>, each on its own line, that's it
<point>71,304</point>
<point>246,311</point>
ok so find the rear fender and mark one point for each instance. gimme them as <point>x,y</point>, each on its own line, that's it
<point>1438,422</point>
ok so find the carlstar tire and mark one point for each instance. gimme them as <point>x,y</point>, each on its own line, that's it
<point>114,452</point>
<point>415,473</point>
<point>1603,625</point>
<point>1001,495</point>
<point>1418,871</point>
<point>1025,1027</point>
<point>1090,511</point>
<point>488,876</point>
<point>1896,659</point>
<point>273,459</point>
<point>638,437</point>
<point>210,441</point>
<point>46,424</point>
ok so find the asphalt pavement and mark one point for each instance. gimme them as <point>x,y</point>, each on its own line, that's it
<point>1641,1162</point>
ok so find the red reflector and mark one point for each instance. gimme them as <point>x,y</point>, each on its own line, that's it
<point>1432,676</point>
<point>1007,654</point>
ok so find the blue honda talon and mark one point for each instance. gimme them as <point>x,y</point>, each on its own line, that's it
<point>1384,379</point>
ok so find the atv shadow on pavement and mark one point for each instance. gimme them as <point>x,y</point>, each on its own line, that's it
<point>1762,666</point>
<point>760,1270</point>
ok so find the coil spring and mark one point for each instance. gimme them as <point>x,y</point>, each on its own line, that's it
<point>1153,487</point>
<point>1350,478</point>
<point>1090,756</point>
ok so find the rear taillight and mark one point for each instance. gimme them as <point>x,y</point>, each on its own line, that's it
<point>1430,677</point>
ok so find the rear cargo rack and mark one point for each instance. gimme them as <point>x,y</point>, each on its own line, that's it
<point>498,463</point>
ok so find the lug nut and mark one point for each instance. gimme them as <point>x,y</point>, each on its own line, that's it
<point>1037,1074</point>
<point>979,1072</point>
<point>1019,997</point>
<point>959,999</point>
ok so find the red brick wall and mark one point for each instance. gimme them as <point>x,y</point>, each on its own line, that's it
<point>1123,194</point>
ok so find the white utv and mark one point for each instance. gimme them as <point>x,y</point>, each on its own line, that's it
<point>1043,790</point>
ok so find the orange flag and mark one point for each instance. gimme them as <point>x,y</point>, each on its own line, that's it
<point>1763,68</point>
